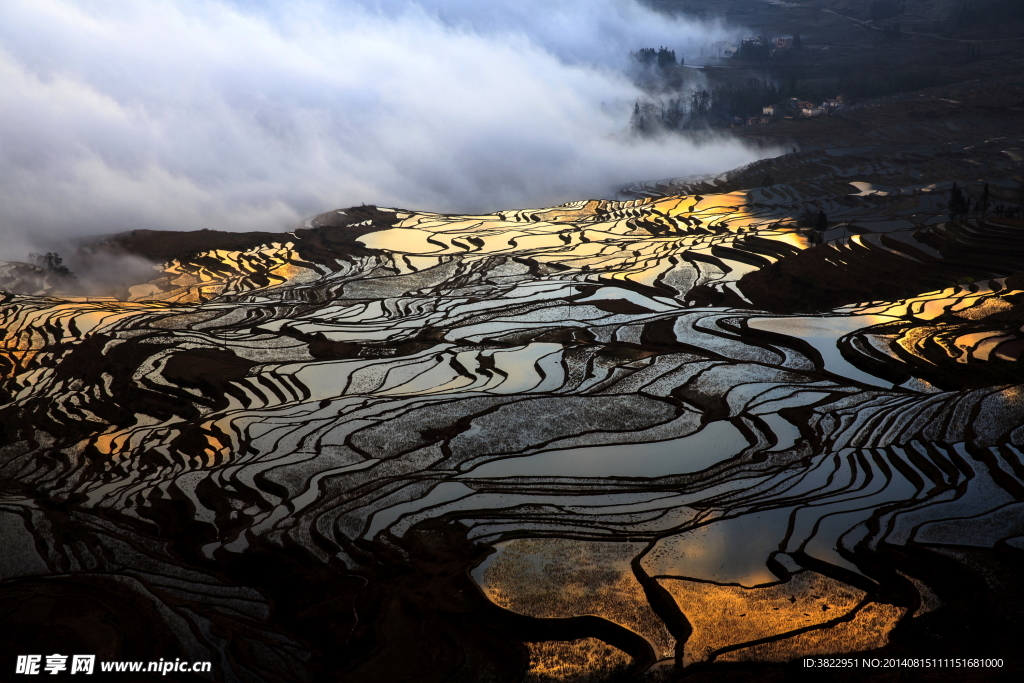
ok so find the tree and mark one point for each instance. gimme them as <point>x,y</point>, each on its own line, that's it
<point>647,56</point>
<point>821,224</point>
<point>983,203</point>
<point>672,114</point>
<point>958,205</point>
<point>636,122</point>
<point>666,58</point>
<point>52,262</point>
<point>700,103</point>
<point>808,218</point>
<point>751,51</point>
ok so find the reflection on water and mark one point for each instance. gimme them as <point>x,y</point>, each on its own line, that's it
<point>583,388</point>
<point>711,444</point>
<point>823,333</point>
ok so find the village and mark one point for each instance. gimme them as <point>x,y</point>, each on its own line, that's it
<point>792,108</point>
<point>758,45</point>
<point>726,99</point>
<point>761,49</point>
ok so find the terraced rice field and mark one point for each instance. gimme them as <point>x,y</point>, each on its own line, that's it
<point>672,430</point>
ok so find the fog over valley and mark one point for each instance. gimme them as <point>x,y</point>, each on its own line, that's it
<point>182,115</point>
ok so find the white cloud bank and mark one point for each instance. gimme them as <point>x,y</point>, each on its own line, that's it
<point>243,116</point>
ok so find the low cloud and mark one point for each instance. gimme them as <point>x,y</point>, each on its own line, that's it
<point>241,116</point>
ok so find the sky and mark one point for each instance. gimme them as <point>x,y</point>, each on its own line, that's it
<point>189,114</point>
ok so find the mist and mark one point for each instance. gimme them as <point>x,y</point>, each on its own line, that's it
<point>249,116</point>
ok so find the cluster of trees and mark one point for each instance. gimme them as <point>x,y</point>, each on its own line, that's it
<point>758,51</point>
<point>51,262</point>
<point>750,98</point>
<point>657,70</point>
<point>1008,211</point>
<point>663,58</point>
<point>703,107</point>
<point>960,205</point>
<point>754,52</point>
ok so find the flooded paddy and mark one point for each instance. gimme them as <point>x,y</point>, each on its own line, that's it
<point>555,443</point>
